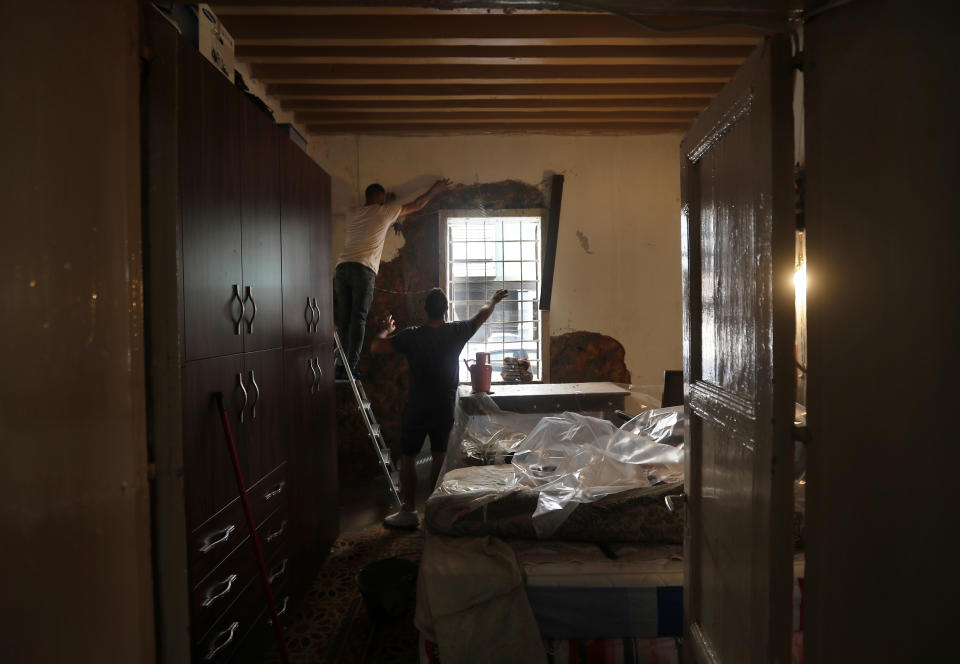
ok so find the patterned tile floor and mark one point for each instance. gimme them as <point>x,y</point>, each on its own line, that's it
<point>333,626</point>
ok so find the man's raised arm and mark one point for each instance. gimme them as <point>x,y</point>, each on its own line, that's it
<point>481,316</point>
<point>421,202</point>
<point>380,343</point>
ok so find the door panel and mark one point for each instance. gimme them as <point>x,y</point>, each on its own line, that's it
<point>210,482</point>
<point>260,172</point>
<point>265,445</point>
<point>210,210</point>
<point>308,402</point>
<point>320,259</point>
<point>737,226</point>
<point>298,310</point>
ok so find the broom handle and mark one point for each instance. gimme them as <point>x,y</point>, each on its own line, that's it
<point>241,487</point>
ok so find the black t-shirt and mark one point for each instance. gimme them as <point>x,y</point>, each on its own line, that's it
<point>433,354</point>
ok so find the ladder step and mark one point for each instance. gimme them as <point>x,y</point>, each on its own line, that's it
<point>364,406</point>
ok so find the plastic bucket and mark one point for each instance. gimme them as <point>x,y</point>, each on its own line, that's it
<point>387,587</point>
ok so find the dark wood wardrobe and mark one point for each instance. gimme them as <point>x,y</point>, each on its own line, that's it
<point>238,301</point>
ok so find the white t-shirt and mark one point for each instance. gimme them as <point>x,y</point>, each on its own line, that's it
<point>366,231</point>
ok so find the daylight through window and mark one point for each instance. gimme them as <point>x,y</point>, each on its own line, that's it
<point>483,255</point>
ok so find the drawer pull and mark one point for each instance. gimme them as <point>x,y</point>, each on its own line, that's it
<point>217,647</point>
<point>221,537</point>
<point>210,598</point>
<point>283,609</point>
<point>277,490</point>
<point>278,570</point>
<point>276,533</point>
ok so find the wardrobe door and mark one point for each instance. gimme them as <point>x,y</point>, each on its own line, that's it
<point>300,305</point>
<point>210,127</point>
<point>263,372</point>
<point>209,480</point>
<point>260,214</point>
<point>312,467</point>
<point>320,259</point>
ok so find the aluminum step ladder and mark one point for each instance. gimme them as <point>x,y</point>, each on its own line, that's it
<point>373,429</point>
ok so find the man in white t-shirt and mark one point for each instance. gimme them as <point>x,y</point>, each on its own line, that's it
<point>359,262</point>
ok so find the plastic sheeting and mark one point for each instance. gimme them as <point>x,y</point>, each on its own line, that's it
<point>572,459</point>
<point>567,459</point>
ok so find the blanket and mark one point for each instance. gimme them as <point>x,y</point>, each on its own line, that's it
<point>471,594</point>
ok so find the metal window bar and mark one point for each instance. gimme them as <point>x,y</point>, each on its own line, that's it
<point>499,254</point>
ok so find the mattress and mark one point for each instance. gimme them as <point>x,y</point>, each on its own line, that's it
<point>486,500</point>
<point>583,591</point>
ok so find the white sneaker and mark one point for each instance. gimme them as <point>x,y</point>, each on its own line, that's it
<point>402,519</point>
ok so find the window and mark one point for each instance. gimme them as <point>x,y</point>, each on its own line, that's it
<point>480,255</point>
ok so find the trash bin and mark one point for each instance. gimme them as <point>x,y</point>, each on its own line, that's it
<point>387,587</point>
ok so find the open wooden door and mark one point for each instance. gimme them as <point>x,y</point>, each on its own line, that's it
<point>738,244</point>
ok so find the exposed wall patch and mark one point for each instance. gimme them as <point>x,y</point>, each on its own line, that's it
<point>584,242</point>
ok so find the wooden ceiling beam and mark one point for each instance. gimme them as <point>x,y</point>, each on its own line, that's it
<point>570,103</point>
<point>498,128</point>
<point>610,54</point>
<point>536,90</point>
<point>441,115</point>
<point>470,27</point>
<point>317,73</point>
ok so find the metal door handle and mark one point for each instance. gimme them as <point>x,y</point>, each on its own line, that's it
<point>278,570</point>
<point>224,535</point>
<point>249,296</point>
<point>674,502</point>
<point>308,314</point>
<point>243,406</point>
<point>256,396</point>
<point>277,490</point>
<point>282,610</point>
<point>239,321</point>
<point>313,382</point>
<point>210,598</point>
<point>319,374</point>
<point>276,533</point>
<point>228,632</point>
<point>316,321</point>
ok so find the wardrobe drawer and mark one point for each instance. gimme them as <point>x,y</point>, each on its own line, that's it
<point>217,538</point>
<point>269,493</point>
<point>220,642</point>
<point>217,592</point>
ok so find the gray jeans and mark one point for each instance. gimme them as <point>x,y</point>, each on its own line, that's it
<point>352,293</point>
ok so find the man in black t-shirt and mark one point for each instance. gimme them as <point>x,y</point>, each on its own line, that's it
<point>433,355</point>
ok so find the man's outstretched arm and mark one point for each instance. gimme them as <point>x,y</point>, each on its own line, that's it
<point>481,316</point>
<point>381,343</point>
<point>421,202</point>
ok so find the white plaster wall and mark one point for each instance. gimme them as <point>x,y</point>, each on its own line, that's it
<point>621,193</point>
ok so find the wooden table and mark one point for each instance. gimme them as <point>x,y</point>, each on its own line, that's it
<point>551,398</point>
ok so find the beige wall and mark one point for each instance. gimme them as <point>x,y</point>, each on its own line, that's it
<point>621,193</point>
<point>74,500</point>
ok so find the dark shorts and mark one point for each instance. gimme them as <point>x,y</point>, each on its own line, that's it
<point>434,419</point>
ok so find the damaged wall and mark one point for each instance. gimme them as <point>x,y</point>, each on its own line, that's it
<point>618,251</point>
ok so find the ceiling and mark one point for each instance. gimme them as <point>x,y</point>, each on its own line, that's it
<point>383,69</point>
